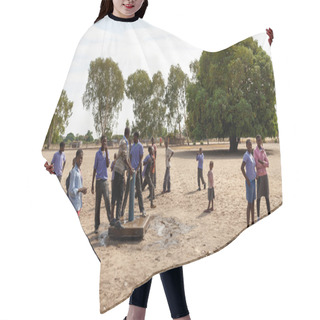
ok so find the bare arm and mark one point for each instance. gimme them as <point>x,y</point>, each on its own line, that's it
<point>244,172</point>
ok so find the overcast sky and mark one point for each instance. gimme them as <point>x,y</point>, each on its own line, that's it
<point>133,45</point>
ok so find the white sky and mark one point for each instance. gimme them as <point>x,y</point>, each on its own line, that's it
<point>133,45</point>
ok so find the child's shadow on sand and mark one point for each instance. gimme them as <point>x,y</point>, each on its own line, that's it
<point>204,214</point>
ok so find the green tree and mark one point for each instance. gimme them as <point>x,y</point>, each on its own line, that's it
<point>89,136</point>
<point>59,120</point>
<point>175,98</point>
<point>69,137</point>
<point>104,94</point>
<point>157,106</point>
<point>139,89</point>
<point>233,94</point>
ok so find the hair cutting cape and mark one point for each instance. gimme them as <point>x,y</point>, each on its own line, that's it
<point>128,73</point>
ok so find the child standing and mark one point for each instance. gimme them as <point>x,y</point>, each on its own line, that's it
<point>59,161</point>
<point>250,176</point>
<point>166,182</point>
<point>210,187</point>
<point>147,172</point>
<point>200,158</point>
<point>76,183</point>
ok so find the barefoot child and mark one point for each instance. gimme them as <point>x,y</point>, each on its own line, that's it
<point>250,176</point>
<point>210,188</point>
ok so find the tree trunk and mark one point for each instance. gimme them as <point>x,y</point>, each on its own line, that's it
<point>233,144</point>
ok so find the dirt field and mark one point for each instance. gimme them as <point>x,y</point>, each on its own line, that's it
<point>180,231</point>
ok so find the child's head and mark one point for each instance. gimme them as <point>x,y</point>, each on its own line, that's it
<point>79,157</point>
<point>150,149</point>
<point>259,140</point>
<point>124,7</point>
<point>127,132</point>
<point>103,142</point>
<point>136,137</point>
<point>249,145</point>
<point>166,143</point>
<point>200,150</point>
<point>62,145</point>
<point>115,156</point>
<point>211,165</point>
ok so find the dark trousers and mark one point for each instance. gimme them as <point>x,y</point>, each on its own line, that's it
<point>117,192</point>
<point>200,176</point>
<point>166,182</point>
<point>148,182</point>
<point>139,189</point>
<point>154,177</point>
<point>125,199</point>
<point>102,189</point>
<point>173,285</point>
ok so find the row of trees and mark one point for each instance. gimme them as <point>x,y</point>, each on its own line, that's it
<point>156,107</point>
<point>230,94</point>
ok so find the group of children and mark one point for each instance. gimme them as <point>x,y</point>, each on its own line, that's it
<point>253,168</point>
<point>74,181</point>
<point>255,163</point>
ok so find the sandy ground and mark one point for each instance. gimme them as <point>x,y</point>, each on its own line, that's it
<point>180,231</point>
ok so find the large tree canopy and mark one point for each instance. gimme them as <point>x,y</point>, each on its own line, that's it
<point>59,120</point>
<point>104,94</point>
<point>233,94</point>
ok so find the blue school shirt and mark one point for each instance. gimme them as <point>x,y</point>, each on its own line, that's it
<point>200,158</point>
<point>100,165</point>
<point>136,153</point>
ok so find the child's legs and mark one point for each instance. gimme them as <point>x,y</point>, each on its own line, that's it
<point>201,176</point>
<point>139,191</point>
<point>252,212</point>
<point>248,213</point>
<point>151,188</point>
<point>98,202</point>
<point>165,180</point>
<point>125,199</point>
<point>258,207</point>
<point>105,193</point>
<point>172,281</point>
